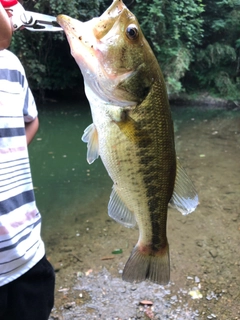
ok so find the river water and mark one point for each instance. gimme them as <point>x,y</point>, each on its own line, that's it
<point>72,197</point>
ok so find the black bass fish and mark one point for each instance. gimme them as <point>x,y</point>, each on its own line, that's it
<point>132,132</point>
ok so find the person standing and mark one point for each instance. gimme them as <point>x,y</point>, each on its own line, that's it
<point>27,278</point>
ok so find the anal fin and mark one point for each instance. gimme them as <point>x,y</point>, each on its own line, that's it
<point>118,211</point>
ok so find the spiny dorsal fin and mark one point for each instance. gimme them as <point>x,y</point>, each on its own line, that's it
<point>184,198</point>
<point>90,136</point>
<point>118,211</point>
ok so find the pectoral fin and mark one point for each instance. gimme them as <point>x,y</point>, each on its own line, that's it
<point>120,116</point>
<point>90,136</point>
<point>118,211</point>
<point>133,130</point>
<point>184,198</point>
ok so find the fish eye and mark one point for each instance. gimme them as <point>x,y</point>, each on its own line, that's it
<point>132,32</point>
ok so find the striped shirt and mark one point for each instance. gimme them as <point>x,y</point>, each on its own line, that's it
<point>21,246</point>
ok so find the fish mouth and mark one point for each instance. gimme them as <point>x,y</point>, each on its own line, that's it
<point>85,37</point>
<point>89,42</point>
<point>74,30</point>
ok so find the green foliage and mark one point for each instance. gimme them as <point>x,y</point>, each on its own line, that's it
<point>46,56</point>
<point>197,43</point>
<point>216,61</point>
<point>176,68</point>
<point>216,54</point>
<point>216,64</point>
<point>226,86</point>
<point>173,28</point>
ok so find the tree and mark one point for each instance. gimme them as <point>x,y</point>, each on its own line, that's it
<point>197,43</point>
<point>216,65</point>
<point>174,28</point>
<point>46,56</point>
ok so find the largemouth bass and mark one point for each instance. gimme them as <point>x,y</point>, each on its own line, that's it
<point>132,132</point>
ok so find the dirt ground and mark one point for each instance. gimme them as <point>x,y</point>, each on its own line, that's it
<point>204,246</point>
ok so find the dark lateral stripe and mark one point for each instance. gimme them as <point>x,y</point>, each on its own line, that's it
<point>17,201</point>
<point>12,132</point>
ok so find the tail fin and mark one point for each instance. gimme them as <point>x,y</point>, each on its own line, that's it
<point>154,266</point>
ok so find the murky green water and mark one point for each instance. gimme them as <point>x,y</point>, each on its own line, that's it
<point>63,179</point>
<point>72,197</point>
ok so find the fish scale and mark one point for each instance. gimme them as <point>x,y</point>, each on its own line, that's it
<point>132,132</point>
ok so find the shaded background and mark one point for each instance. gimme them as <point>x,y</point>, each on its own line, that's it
<point>197,43</point>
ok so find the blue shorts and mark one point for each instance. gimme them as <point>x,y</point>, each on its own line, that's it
<point>31,296</point>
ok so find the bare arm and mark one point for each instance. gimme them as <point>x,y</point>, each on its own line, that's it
<point>31,129</point>
<point>6,29</point>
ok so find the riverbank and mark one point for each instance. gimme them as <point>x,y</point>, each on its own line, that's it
<point>204,100</point>
<point>199,99</point>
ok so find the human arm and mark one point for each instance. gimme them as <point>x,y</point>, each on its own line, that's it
<point>31,129</point>
<point>6,29</point>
